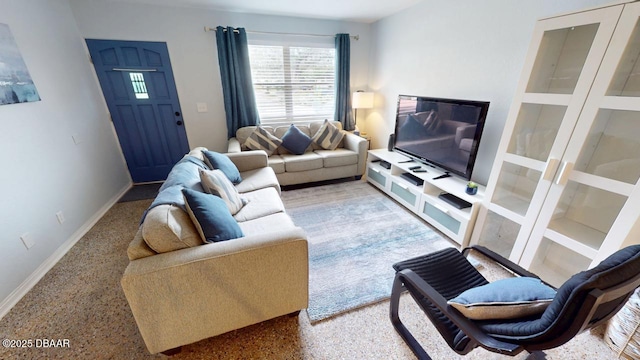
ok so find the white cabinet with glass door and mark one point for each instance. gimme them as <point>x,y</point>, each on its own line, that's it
<point>563,193</point>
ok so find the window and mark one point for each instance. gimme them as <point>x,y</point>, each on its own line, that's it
<point>139,87</point>
<point>293,83</point>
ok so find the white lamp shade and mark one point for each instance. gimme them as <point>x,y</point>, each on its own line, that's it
<point>362,100</point>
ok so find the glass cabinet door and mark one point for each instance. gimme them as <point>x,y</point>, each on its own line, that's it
<point>593,201</point>
<point>558,72</point>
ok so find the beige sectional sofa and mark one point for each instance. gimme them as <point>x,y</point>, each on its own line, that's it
<point>181,290</point>
<point>316,164</point>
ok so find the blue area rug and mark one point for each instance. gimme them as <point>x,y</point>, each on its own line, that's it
<point>355,234</point>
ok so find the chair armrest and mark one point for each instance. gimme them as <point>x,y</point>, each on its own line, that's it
<point>359,145</point>
<point>467,326</point>
<point>233,146</point>
<point>504,262</point>
<point>249,160</point>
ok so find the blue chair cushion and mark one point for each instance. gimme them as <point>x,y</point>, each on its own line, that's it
<point>222,162</point>
<point>211,216</point>
<point>510,298</point>
<point>622,265</point>
<point>295,140</point>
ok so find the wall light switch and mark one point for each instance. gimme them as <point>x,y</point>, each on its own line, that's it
<point>202,107</point>
<point>60,217</point>
<point>27,241</point>
<point>76,139</point>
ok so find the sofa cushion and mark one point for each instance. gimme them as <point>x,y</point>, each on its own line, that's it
<point>337,157</point>
<point>222,162</point>
<point>276,162</point>
<point>328,136</point>
<point>169,228</point>
<point>258,179</point>
<point>260,203</point>
<point>261,139</point>
<point>304,162</point>
<point>216,183</point>
<point>265,224</point>
<point>295,140</point>
<point>211,217</point>
<point>510,298</point>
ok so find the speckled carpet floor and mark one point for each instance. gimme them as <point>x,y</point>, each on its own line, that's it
<point>81,300</point>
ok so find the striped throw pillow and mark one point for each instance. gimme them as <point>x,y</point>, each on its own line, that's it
<point>328,136</point>
<point>261,139</point>
<point>215,182</point>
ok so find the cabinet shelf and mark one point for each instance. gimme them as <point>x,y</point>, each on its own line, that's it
<point>581,235</point>
<point>513,203</point>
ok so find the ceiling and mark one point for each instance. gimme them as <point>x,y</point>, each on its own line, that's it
<point>366,11</point>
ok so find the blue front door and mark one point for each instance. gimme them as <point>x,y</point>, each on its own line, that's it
<point>138,85</point>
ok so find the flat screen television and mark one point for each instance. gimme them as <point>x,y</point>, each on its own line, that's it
<point>440,132</point>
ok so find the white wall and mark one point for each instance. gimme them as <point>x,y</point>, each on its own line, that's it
<point>43,170</point>
<point>461,49</point>
<point>193,51</point>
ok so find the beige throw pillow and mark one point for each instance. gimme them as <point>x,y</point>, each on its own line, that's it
<point>328,136</point>
<point>261,139</point>
<point>216,183</point>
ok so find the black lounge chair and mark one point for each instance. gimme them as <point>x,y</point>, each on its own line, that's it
<point>586,300</point>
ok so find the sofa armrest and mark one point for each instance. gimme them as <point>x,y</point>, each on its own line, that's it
<point>233,146</point>
<point>249,160</point>
<point>184,296</point>
<point>360,146</point>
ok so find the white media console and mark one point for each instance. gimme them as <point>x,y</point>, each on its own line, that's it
<point>423,199</point>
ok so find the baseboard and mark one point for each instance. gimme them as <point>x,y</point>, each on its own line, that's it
<point>10,301</point>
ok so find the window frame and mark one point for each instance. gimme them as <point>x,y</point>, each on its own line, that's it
<point>287,42</point>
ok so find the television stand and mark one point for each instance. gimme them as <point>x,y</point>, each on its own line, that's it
<point>420,193</point>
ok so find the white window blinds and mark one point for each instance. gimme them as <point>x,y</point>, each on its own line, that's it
<point>293,83</point>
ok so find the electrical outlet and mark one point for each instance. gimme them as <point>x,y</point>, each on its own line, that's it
<point>60,217</point>
<point>27,240</point>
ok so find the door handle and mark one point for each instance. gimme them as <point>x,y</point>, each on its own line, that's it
<point>550,169</point>
<point>177,113</point>
<point>179,123</point>
<point>562,179</point>
<point>133,70</point>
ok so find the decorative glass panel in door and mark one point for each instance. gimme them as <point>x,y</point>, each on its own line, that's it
<point>558,72</point>
<point>560,59</point>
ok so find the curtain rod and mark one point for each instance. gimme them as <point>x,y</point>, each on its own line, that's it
<point>354,37</point>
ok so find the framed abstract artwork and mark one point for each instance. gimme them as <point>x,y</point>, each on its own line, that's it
<point>16,85</point>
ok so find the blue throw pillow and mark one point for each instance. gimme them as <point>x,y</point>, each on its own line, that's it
<point>222,162</point>
<point>295,140</point>
<point>211,216</point>
<point>505,299</point>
